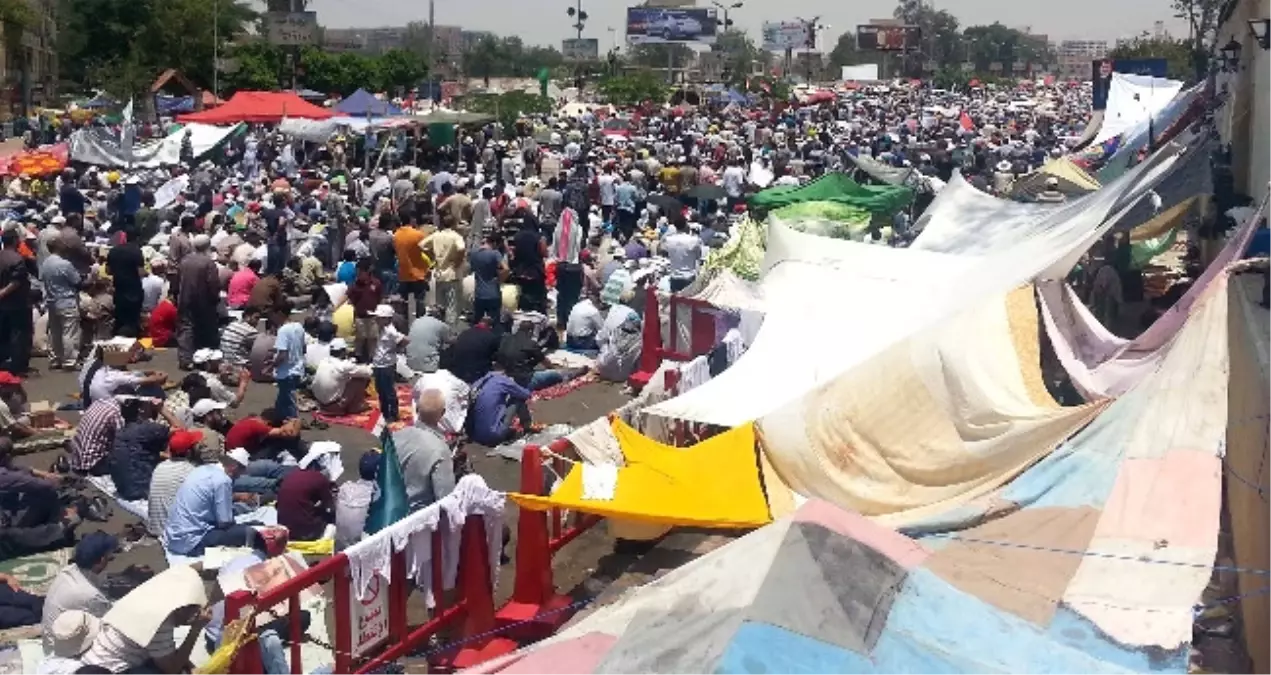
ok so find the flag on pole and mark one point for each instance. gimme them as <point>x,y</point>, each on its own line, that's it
<point>391,505</point>
<point>965,121</point>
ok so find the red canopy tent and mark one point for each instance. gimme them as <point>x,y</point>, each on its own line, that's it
<point>259,106</point>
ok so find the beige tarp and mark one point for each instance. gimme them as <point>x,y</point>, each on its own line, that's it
<point>932,422</point>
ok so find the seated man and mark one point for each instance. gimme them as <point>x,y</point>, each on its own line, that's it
<point>202,513</point>
<point>620,340</point>
<point>78,587</point>
<point>15,424</point>
<point>340,383</point>
<point>306,496</point>
<point>110,380</point>
<point>317,352</point>
<point>353,502</point>
<point>94,437</point>
<point>473,350</point>
<point>582,327</point>
<point>209,362</point>
<point>32,519</point>
<point>138,446</point>
<point>168,477</point>
<point>262,440</point>
<point>429,335</point>
<point>426,458</point>
<point>496,401</point>
<point>521,355</point>
<point>137,635</point>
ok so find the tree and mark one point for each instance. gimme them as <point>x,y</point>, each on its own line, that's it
<point>1202,26</point>
<point>399,68</point>
<point>16,17</point>
<point>482,58</point>
<point>659,55</point>
<point>633,89</point>
<point>1176,52</point>
<point>739,52</point>
<point>845,52</point>
<point>996,43</point>
<point>941,41</point>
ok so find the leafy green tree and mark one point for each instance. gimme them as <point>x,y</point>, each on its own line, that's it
<point>399,68</point>
<point>845,52</point>
<point>941,40</point>
<point>633,89</point>
<point>740,54</point>
<point>509,106</point>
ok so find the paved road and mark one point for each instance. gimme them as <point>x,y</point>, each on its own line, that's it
<point>588,568</point>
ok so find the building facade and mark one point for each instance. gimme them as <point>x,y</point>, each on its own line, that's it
<point>30,66</point>
<point>1074,57</point>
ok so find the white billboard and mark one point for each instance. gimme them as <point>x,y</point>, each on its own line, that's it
<point>580,49</point>
<point>866,72</point>
<point>779,36</point>
<point>291,29</point>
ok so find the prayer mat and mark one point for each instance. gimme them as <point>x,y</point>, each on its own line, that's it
<point>564,388</point>
<point>35,572</point>
<point>367,419</point>
<point>47,439</point>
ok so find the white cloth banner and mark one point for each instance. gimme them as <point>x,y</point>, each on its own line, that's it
<point>169,191</point>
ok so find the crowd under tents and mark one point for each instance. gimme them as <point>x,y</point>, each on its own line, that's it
<point>258,107</point>
<point>984,526</point>
<point>101,148</point>
<point>363,103</point>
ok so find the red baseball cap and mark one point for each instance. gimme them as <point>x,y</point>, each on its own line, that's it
<point>181,442</point>
<point>9,378</point>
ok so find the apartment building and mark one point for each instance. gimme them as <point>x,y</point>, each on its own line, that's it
<point>1075,57</point>
<point>30,67</point>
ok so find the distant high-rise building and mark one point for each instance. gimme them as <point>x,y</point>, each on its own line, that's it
<point>1075,56</point>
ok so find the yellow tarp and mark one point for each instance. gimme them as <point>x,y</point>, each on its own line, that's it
<point>1162,223</point>
<point>1064,168</point>
<point>712,484</point>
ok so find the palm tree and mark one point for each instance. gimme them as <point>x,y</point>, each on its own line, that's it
<point>16,18</point>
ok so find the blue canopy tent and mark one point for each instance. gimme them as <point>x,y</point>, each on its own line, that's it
<point>362,103</point>
<point>734,96</point>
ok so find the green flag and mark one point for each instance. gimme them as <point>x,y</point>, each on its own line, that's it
<point>391,506</point>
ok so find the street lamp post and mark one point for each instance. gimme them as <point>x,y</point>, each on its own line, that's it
<point>580,20</point>
<point>725,8</point>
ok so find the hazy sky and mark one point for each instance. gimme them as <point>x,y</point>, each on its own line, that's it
<point>545,22</point>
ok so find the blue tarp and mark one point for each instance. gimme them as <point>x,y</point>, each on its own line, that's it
<point>99,102</point>
<point>362,102</point>
<point>168,105</point>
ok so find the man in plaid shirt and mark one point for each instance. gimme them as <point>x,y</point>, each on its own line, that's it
<point>95,437</point>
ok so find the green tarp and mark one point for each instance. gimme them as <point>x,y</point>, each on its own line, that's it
<point>1142,252</point>
<point>879,200</point>
<point>825,219</point>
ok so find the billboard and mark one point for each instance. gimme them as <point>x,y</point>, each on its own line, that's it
<point>888,38</point>
<point>1101,75</point>
<point>291,29</point>
<point>580,49</point>
<point>658,25</point>
<point>867,72</point>
<point>779,36</point>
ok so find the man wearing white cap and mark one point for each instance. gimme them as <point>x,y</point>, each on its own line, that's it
<point>202,514</point>
<point>72,634</point>
<point>339,384</point>
<point>390,341</point>
<point>208,361</point>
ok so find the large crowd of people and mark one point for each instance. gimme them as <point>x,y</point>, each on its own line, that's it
<point>332,270</point>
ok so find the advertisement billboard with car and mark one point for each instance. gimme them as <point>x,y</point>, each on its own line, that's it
<point>660,25</point>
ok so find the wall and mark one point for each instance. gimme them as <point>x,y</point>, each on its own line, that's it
<point>1245,119</point>
<point>1247,401</point>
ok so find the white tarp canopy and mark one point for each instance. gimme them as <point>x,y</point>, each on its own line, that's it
<point>1132,99</point>
<point>884,295</point>
<point>866,72</point>
<point>92,146</point>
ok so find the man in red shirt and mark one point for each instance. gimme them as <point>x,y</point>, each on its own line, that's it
<point>162,323</point>
<point>366,293</point>
<point>261,439</point>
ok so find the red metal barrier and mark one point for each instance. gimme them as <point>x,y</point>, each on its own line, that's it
<point>473,609</point>
<point>702,334</point>
<point>536,610</point>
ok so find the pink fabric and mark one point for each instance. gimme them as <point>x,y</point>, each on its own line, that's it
<point>240,287</point>
<point>1102,365</point>
<point>1154,500</point>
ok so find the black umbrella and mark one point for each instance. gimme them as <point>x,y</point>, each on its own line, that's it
<point>665,203</point>
<point>707,192</point>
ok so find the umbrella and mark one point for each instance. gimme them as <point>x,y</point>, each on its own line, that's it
<point>665,203</point>
<point>707,192</point>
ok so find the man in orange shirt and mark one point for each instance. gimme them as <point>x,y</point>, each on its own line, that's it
<point>413,267</point>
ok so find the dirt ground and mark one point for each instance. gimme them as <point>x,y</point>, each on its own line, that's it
<point>589,567</point>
